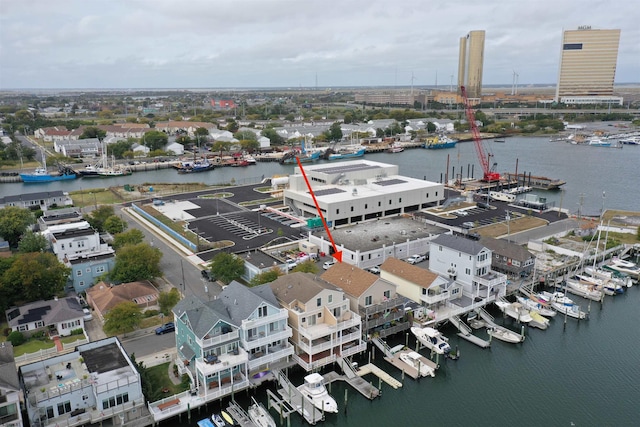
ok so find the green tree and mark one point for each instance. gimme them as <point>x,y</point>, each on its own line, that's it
<point>335,133</point>
<point>431,127</point>
<point>155,140</point>
<point>250,145</point>
<point>14,222</point>
<point>201,135</point>
<point>265,277</point>
<point>307,266</point>
<point>32,242</point>
<point>232,126</point>
<point>34,276</point>
<point>273,136</point>
<point>227,267</point>
<point>168,300</point>
<point>114,224</point>
<point>98,216</point>
<point>246,135</point>
<point>118,149</point>
<point>221,146</point>
<point>93,132</point>
<point>130,237</point>
<point>123,318</point>
<point>136,262</point>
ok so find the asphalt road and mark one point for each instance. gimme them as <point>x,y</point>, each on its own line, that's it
<point>149,344</point>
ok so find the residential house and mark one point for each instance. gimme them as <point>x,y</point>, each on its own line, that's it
<point>509,258</point>
<point>468,262</point>
<point>176,148</point>
<point>10,414</point>
<point>103,297</point>
<point>209,349</point>
<point>374,298</point>
<point>264,332</point>
<point>324,326</point>
<point>79,148</point>
<point>173,127</point>
<point>71,242</point>
<point>42,200</point>
<point>58,316</point>
<point>60,217</point>
<point>97,383</point>
<point>55,133</point>
<point>140,150</point>
<point>432,291</point>
<point>88,269</point>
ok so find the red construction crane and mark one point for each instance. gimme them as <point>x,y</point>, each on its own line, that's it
<point>489,173</point>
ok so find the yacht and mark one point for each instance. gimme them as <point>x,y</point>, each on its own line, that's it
<point>514,310</point>
<point>562,304</point>
<point>623,266</point>
<point>260,416</point>
<point>412,359</point>
<point>432,339</point>
<point>582,289</point>
<point>536,306</point>
<point>599,142</point>
<point>504,334</point>
<point>613,277</point>
<point>313,388</point>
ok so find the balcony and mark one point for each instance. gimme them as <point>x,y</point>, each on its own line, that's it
<point>315,364</point>
<point>218,339</point>
<point>350,351</point>
<point>491,279</point>
<point>282,315</point>
<point>262,339</point>
<point>221,363</point>
<point>275,355</point>
<point>381,306</point>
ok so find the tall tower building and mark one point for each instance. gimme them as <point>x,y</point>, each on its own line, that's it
<point>470,62</point>
<point>587,66</point>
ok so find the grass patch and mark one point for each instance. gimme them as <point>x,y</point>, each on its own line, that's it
<point>515,226</point>
<point>32,346</point>
<point>150,321</point>
<point>71,339</point>
<point>94,196</point>
<point>159,377</point>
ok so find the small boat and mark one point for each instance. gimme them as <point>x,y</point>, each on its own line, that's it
<point>205,423</point>
<point>260,416</point>
<point>395,148</point>
<point>611,278</point>
<point>218,421</point>
<point>500,140</point>
<point>292,157</point>
<point>623,266</point>
<point>585,290</point>
<point>536,306</point>
<point>514,310</point>
<point>538,321</point>
<point>314,389</point>
<point>412,359</point>
<point>598,142</point>
<point>41,174</point>
<point>195,166</point>
<point>441,141</point>
<point>504,334</point>
<point>562,304</point>
<point>432,339</point>
<point>348,153</point>
<point>632,140</point>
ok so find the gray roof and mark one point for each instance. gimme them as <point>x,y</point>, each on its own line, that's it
<point>298,286</point>
<point>50,312</point>
<point>462,244</point>
<point>202,315</point>
<point>8,372</point>
<point>240,300</point>
<point>31,196</point>
<point>505,248</point>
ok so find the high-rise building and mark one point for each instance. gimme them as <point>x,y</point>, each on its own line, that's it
<point>588,66</point>
<point>470,63</point>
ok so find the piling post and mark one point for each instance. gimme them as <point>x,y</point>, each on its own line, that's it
<point>346,391</point>
<point>406,341</point>
<point>402,377</point>
<point>189,411</point>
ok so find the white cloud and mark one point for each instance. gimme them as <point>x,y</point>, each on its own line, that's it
<point>172,43</point>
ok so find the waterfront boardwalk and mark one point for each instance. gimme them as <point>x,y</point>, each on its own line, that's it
<point>370,368</point>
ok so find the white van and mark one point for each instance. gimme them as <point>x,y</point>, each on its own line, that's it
<point>327,264</point>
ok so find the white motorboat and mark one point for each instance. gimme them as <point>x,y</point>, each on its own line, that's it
<point>623,266</point>
<point>260,416</point>
<point>612,277</point>
<point>314,389</point>
<point>562,304</point>
<point>218,421</point>
<point>432,339</point>
<point>538,320</point>
<point>412,359</point>
<point>585,290</point>
<point>515,310</point>
<point>536,306</point>
<point>504,334</point>
<point>607,286</point>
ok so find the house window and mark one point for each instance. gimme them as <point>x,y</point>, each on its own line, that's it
<point>387,294</point>
<point>368,300</point>
<point>100,269</point>
<point>88,269</point>
<point>70,244</point>
<point>455,291</point>
<point>62,245</point>
<point>467,271</point>
<point>79,272</point>
<point>122,398</point>
<point>366,206</point>
<point>424,291</point>
<point>330,299</point>
<point>319,302</point>
<point>516,263</point>
<point>81,283</point>
<point>23,328</point>
<point>337,211</point>
<point>64,407</point>
<point>400,200</point>
<point>262,311</point>
<point>389,201</point>
<point>50,412</point>
<point>379,204</point>
<point>351,208</point>
<point>39,324</point>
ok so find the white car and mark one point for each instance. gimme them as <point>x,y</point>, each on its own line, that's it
<point>375,269</point>
<point>87,314</point>
<point>416,259</point>
<point>327,264</point>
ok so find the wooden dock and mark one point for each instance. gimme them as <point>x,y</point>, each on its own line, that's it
<point>238,414</point>
<point>370,368</point>
<point>408,369</point>
<point>363,387</point>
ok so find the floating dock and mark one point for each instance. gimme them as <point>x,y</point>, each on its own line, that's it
<point>370,368</point>
<point>413,372</point>
<point>465,333</point>
<point>363,387</point>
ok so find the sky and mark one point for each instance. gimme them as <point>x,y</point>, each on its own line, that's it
<point>293,43</point>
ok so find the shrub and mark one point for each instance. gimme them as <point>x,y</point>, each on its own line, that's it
<point>38,335</point>
<point>16,338</point>
<point>78,331</point>
<point>150,313</point>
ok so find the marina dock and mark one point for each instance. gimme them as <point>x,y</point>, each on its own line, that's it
<point>370,368</point>
<point>413,372</point>
<point>238,414</point>
<point>465,333</point>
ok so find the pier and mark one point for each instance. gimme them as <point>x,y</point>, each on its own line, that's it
<point>465,332</point>
<point>413,372</point>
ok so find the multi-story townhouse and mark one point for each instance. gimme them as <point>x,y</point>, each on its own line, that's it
<point>468,262</point>
<point>264,332</point>
<point>94,384</point>
<point>10,414</point>
<point>509,257</point>
<point>324,326</point>
<point>374,298</point>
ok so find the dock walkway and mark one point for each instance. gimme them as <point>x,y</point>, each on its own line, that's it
<point>293,399</point>
<point>358,383</point>
<point>370,368</point>
<point>465,333</point>
<point>238,414</point>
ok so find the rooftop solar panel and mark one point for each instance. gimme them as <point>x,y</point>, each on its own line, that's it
<point>346,168</point>
<point>390,182</point>
<point>328,191</point>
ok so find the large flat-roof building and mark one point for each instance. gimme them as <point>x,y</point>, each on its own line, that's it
<point>359,190</point>
<point>588,66</point>
<point>470,63</point>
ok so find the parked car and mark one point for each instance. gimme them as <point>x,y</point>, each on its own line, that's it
<point>416,259</point>
<point>375,269</point>
<point>327,264</point>
<point>483,205</point>
<point>87,314</point>
<point>206,274</point>
<point>468,224</point>
<point>167,327</point>
<point>291,263</point>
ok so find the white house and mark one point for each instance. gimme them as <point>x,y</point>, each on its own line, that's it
<point>58,316</point>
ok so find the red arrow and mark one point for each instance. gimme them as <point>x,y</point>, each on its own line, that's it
<point>336,254</point>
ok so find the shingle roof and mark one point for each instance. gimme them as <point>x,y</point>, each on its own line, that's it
<point>8,373</point>
<point>503,247</point>
<point>50,312</point>
<point>411,273</point>
<point>240,300</point>
<point>462,244</point>
<point>31,196</point>
<point>106,297</point>
<point>298,286</point>
<point>202,315</point>
<point>353,280</point>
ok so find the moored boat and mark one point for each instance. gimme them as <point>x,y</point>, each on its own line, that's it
<point>412,359</point>
<point>347,153</point>
<point>432,339</point>
<point>504,334</point>
<point>514,310</point>
<point>612,278</point>
<point>260,416</point>
<point>562,304</point>
<point>313,388</point>
<point>623,266</point>
<point>538,321</point>
<point>218,421</point>
<point>536,306</point>
<point>395,148</point>
<point>585,290</point>
<point>41,174</point>
<point>195,166</point>
<point>440,141</point>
